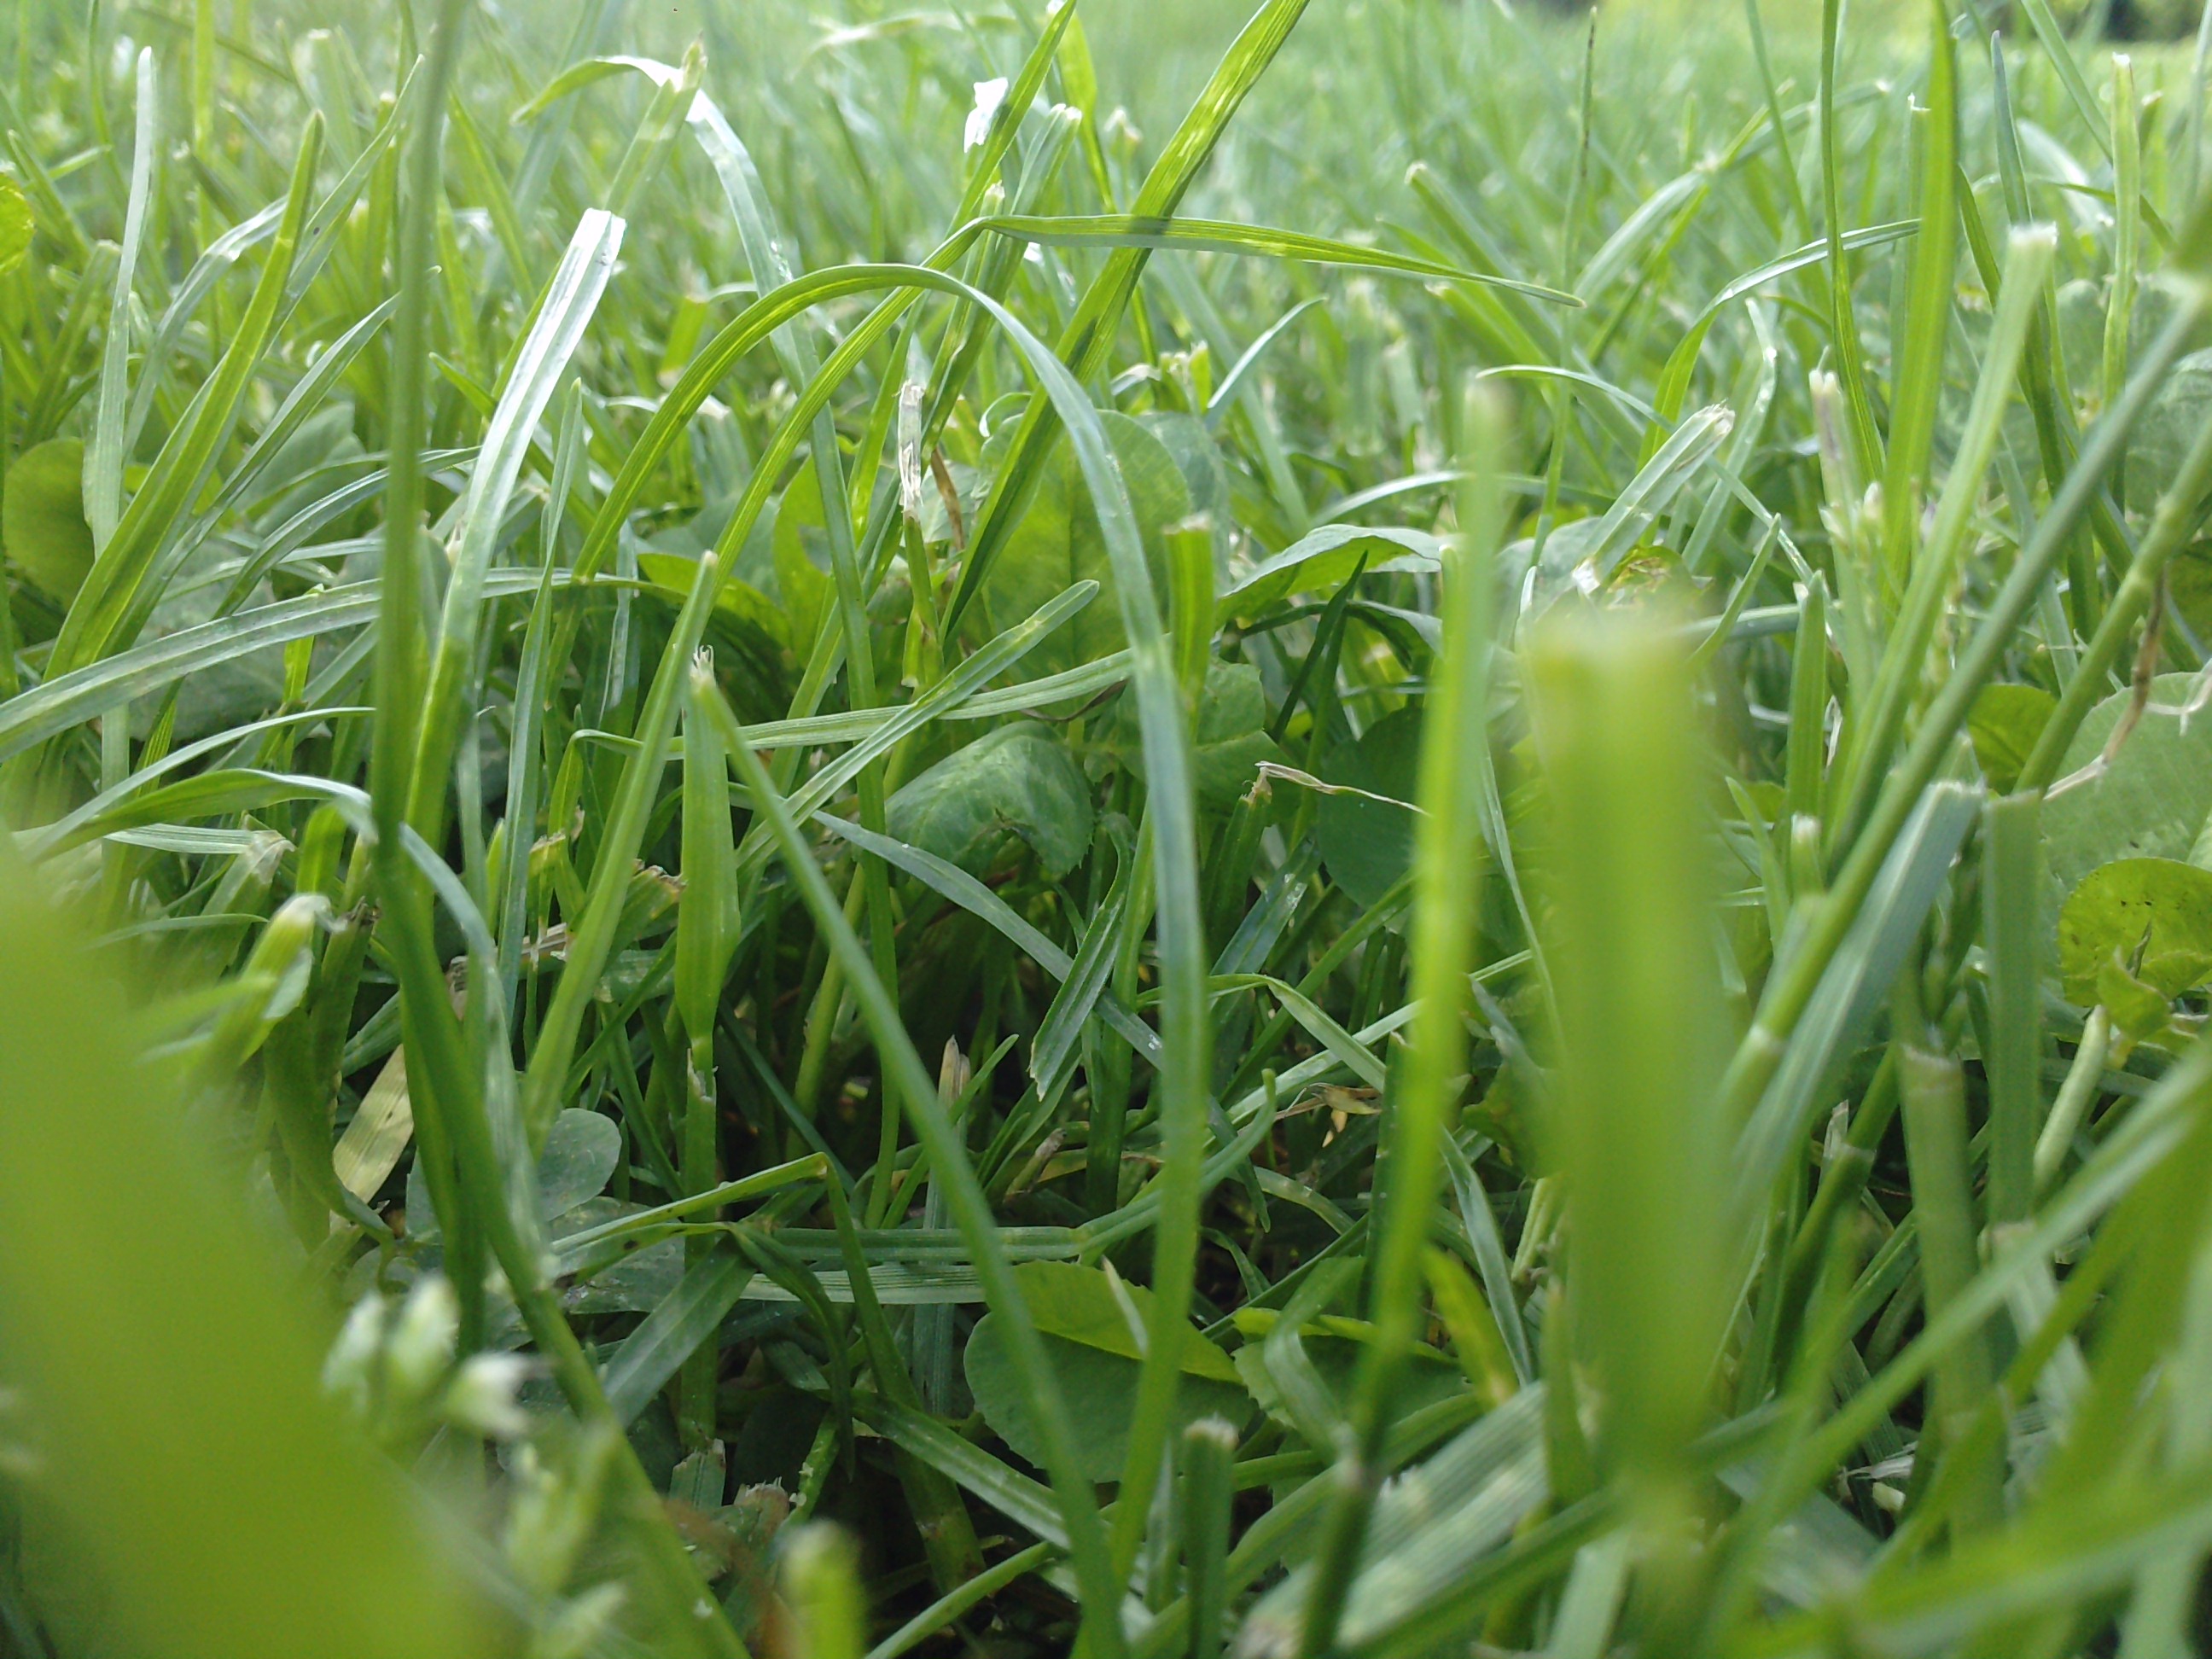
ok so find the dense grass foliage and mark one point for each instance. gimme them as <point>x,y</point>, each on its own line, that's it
<point>1370,829</point>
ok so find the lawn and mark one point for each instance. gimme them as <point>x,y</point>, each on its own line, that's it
<point>1336,830</point>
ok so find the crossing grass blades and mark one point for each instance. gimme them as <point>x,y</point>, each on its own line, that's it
<point>818,851</point>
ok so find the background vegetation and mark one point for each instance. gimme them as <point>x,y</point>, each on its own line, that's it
<point>1360,828</point>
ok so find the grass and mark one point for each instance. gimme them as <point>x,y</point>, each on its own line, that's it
<point>1355,829</point>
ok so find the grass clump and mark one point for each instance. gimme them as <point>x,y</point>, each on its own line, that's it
<point>1377,831</point>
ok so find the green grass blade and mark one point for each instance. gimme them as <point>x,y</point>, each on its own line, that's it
<point>104,456</point>
<point>1642,1146</point>
<point>1918,382</point>
<point>971,1210</point>
<point>1446,882</point>
<point>1843,322</point>
<point>112,601</point>
<point>189,1482</point>
<point>563,315</point>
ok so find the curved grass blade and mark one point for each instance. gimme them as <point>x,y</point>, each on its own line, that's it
<point>1125,230</point>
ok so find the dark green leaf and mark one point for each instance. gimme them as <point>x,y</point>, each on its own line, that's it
<point>2189,587</point>
<point>2004,724</point>
<point>1198,458</point>
<point>740,609</point>
<point>1092,1345</point>
<point>2167,429</point>
<point>1057,543</point>
<point>1018,780</point>
<point>580,1158</point>
<point>801,549</point>
<point>42,521</point>
<point>1230,733</point>
<point>1368,844</point>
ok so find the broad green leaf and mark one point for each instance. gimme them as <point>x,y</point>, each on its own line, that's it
<point>295,473</point>
<point>1018,780</point>
<point>2152,916</point>
<point>2138,1010</point>
<point>1058,544</point>
<point>1198,458</point>
<point>801,552</point>
<point>2081,334</point>
<point>580,1154</point>
<point>2004,724</point>
<point>742,613</point>
<point>2150,801</point>
<point>1230,740</point>
<point>1092,1344</point>
<point>1367,843</point>
<point>1555,570</point>
<point>580,1158</point>
<point>1230,736</point>
<point>42,521</point>
<point>2189,587</point>
<point>2167,429</point>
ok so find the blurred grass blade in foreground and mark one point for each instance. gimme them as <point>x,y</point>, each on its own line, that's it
<point>167,1365</point>
<point>1634,1125</point>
